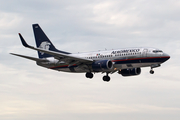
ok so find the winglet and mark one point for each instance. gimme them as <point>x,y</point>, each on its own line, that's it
<point>23,41</point>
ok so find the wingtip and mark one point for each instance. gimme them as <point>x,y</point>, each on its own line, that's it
<point>13,54</point>
<point>23,41</point>
<point>20,35</point>
<point>35,25</point>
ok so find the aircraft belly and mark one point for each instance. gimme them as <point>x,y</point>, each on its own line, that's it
<point>74,70</point>
<point>137,62</point>
<point>133,65</point>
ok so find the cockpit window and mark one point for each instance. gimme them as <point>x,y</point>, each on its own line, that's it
<point>157,51</point>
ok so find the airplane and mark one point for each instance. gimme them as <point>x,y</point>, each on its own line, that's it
<point>127,62</point>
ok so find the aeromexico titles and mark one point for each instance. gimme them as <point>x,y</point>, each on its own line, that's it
<point>127,62</point>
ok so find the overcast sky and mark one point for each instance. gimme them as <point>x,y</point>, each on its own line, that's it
<point>30,92</point>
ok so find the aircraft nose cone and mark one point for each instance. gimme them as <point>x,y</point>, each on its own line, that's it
<point>166,56</point>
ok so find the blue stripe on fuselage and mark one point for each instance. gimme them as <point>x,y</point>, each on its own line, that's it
<point>141,60</point>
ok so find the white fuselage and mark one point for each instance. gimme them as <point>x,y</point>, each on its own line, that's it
<point>121,58</point>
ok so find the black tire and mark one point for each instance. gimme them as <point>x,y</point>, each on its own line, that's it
<point>151,71</point>
<point>106,78</point>
<point>89,75</point>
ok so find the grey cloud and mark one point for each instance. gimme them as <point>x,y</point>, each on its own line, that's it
<point>31,92</point>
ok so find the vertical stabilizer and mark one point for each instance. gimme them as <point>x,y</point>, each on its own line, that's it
<point>43,42</point>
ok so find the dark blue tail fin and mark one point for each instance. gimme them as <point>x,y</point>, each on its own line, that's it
<point>43,42</point>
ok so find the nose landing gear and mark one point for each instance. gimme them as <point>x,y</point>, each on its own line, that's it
<point>154,66</point>
<point>151,71</point>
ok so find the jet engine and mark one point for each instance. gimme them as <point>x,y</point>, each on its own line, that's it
<point>102,65</point>
<point>130,72</point>
<point>52,60</point>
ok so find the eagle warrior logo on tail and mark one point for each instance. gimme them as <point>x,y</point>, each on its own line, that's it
<point>44,45</point>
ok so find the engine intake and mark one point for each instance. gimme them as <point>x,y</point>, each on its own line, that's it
<point>102,65</point>
<point>130,72</point>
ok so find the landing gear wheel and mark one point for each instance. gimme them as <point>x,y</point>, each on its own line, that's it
<point>106,78</point>
<point>152,71</point>
<point>89,75</point>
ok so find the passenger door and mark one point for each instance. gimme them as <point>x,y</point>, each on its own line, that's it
<point>144,54</point>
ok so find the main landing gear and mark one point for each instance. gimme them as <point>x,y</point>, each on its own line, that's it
<point>89,75</point>
<point>106,78</point>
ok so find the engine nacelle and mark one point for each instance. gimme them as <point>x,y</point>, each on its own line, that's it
<point>52,60</point>
<point>130,72</point>
<point>102,65</point>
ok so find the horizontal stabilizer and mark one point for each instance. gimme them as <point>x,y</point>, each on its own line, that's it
<point>30,58</point>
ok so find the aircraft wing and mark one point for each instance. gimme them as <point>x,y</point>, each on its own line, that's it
<point>30,58</point>
<point>60,56</point>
